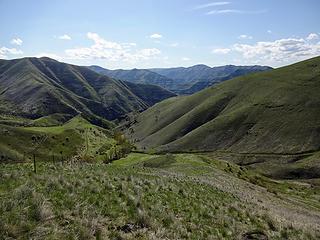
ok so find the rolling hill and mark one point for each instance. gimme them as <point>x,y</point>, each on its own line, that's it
<point>269,114</point>
<point>36,87</point>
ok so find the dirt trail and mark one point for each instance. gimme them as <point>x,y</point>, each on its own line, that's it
<point>280,207</point>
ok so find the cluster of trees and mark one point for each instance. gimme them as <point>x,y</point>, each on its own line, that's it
<point>120,150</point>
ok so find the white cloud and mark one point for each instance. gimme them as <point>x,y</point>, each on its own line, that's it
<point>313,36</point>
<point>16,41</point>
<point>221,50</point>
<point>4,51</point>
<point>155,36</point>
<point>64,37</point>
<point>174,44</point>
<point>185,59</point>
<point>269,31</point>
<point>279,51</point>
<point>100,43</point>
<point>213,4</point>
<point>244,36</point>
<point>112,51</point>
<point>227,11</point>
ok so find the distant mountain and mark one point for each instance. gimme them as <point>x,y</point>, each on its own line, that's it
<point>193,79</point>
<point>36,87</point>
<point>186,74</point>
<point>136,76</point>
<point>267,114</point>
<point>181,80</point>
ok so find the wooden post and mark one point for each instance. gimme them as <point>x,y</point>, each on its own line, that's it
<point>34,163</point>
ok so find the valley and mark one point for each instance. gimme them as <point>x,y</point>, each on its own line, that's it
<point>159,120</point>
<point>85,156</point>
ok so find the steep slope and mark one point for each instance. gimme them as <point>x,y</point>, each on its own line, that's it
<point>150,94</point>
<point>136,76</point>
<point>274,112</point>
<point>33,88</point>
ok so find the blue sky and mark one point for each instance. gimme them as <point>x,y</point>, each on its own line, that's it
<point>161,33</point>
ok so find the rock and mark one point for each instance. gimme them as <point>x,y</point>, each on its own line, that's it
<point>254,235</point>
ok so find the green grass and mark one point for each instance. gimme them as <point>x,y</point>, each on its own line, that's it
<point>274,112</point>
<point>240,115</point>
<point>52,120</point>
<point>77,137</point>
<point>138,197</point>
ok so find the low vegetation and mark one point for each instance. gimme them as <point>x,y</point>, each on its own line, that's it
<point>141,197</point>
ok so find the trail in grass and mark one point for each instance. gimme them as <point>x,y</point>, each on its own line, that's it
<point>280,207</point>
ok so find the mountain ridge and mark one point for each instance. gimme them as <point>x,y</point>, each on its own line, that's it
<point>35,87</point>
<point>181,80</point>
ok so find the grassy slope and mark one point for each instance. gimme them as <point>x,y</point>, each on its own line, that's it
<point>150,94</point>
<point>271,112</point>
<point>152,197</point>
<point>36,87</point>
<point>74,137</point>
<point>270,105</point>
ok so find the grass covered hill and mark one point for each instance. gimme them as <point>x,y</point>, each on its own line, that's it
<point>36,87</point>
<point>273,112</point>
<point>52,138</point>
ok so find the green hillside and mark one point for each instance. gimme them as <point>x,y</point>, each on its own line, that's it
<point>51,139</point>
<point>182,196</point>
<point>37,87</point>
<point>275,112</point>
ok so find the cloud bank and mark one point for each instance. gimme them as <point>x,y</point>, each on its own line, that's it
<point>111,51</point>
<point>4,51</point>
<point>278,52</point>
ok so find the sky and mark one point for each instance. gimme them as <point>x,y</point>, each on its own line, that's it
<point>161,33</point>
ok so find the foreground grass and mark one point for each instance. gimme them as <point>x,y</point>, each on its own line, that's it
<point>139,197</point>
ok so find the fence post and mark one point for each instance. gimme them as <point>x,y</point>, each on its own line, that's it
<point>34,163</point>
